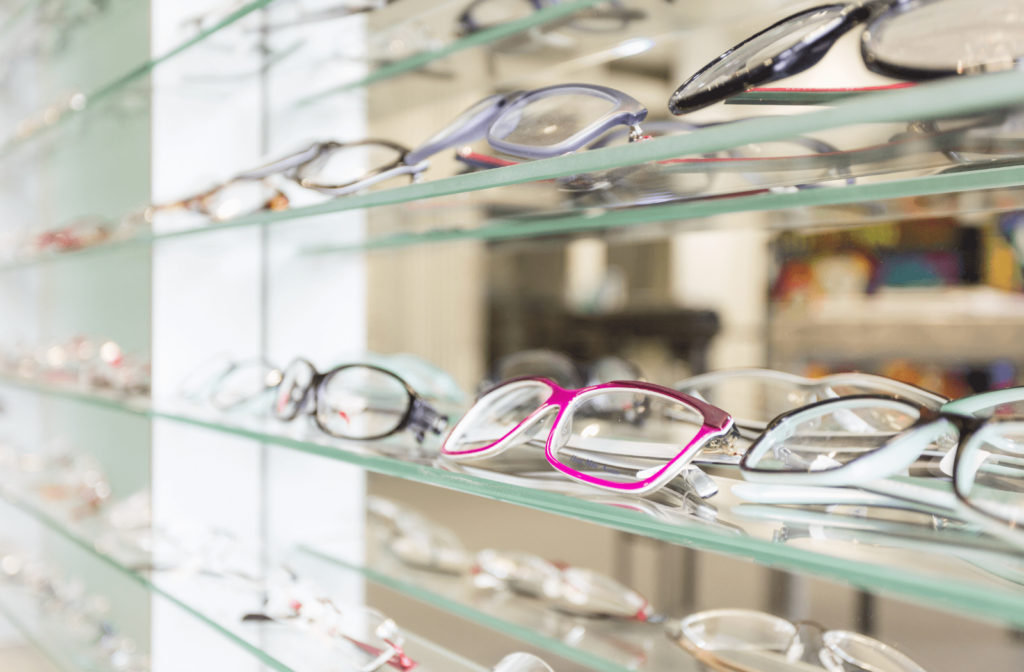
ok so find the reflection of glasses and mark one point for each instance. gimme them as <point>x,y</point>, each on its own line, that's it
<point>355,401</point>
<point>755,396</point>
<point>561,369</point>
<point>742,640</point>
<point>909,39</point>
<point>636,435</point>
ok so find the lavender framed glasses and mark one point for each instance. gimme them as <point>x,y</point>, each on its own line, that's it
<point>625,436</point>
<point>537,124</point>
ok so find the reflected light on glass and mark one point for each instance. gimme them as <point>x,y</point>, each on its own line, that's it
<point>633,47</point>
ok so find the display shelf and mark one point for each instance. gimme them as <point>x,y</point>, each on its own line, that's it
<point>942,322</point>
<point>607,645</point>
<point>539,18</point>
<point>216,602</point>
<point>48,636</point>
<point>944,195</point>
<point>939,99</point>
<point>134,74</point>
<point>936,567</point>
<point>796,96</point>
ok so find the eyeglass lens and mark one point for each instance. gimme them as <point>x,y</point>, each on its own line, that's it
<point>359,402</point>
<point>647,429</point>
<point>551,120</point>
<point>833,436</point>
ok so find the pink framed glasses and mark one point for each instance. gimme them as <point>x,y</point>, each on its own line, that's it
<point>625,436</point>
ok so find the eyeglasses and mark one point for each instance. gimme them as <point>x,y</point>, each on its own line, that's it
<point>561,369</point>
<point>295,601</point>
<point>901,40</point>
<point>639,436</point>
<point>538,124</point>
<point>355,401</point>
<point>422,543</point>
<point>248,192</point>
<point>228,385</point>
<point>89,361</point>
<point>416,541</point>
<point>521,662</point>
<point>815,445</point>
<point>742,640</point>
<point>755,396</point>
<point>572,590</point>
<point>86,616</point>
<point>77,480</point>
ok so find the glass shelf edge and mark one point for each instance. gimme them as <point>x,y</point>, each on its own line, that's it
<point>994,604</point>
<point>106,90</point>
<point>477,39</point>
<point>927,185</point>
<point>921,104</point>
<point>613,219</point>
<point>56,526</point>
<point>427,596</point>
<point>33,641</point>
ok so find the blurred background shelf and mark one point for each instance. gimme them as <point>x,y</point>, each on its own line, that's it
<point>944,323</point>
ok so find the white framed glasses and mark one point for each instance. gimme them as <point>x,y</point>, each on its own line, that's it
<point>743,640</point>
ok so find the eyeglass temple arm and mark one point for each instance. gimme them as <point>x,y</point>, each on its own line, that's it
<point>423,418</point>
<point>710,659</point>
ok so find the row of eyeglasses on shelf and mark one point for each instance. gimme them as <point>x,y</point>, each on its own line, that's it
<point>835,440</point>
<point>73,490</point>
<point>556,120</point>
<point>84,617</point>
<point>91,362</point>
<point>724,640</point>
<point>727,640</point>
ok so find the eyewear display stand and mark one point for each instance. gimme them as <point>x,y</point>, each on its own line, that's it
<point>115,111</point>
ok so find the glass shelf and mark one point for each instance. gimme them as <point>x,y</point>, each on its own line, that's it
<point>218,602</point>
<point>439,20</point>
<point>46,633</point>
<point>901,554</point>
<point>537,19</point>
<point>795,96</point>
<point>478,195</point>
<point>606,645</point>
<point>123,82</point>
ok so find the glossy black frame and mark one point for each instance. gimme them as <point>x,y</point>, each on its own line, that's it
<point>419,417</point>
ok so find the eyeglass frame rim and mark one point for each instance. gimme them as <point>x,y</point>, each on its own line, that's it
<point>317,384</point>
<point>715,423</point>
<point>794,379</point>
<point>806,54</point>
<point>926,417</point>
<point>626,111</point>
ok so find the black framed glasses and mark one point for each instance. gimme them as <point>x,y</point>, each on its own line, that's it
<point>355,401</point>
<point>901,40</point>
